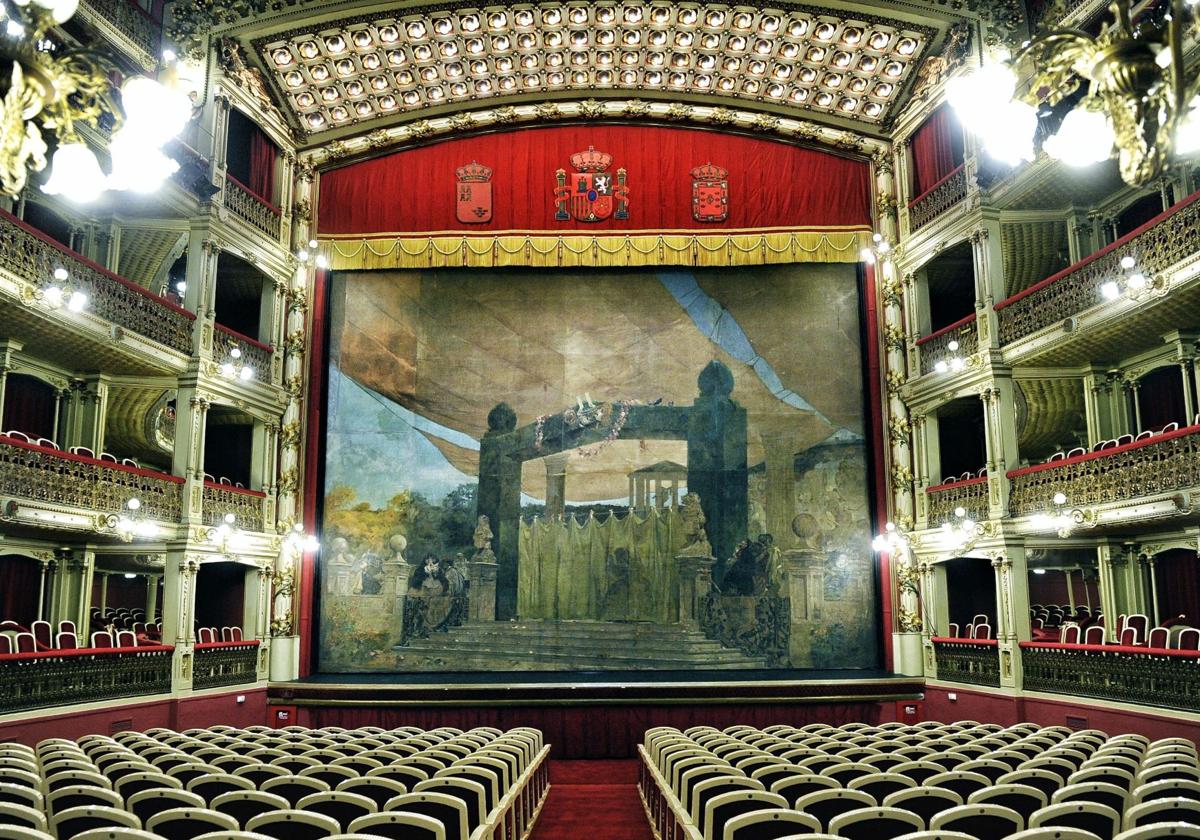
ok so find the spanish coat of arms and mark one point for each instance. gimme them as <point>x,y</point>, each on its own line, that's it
<point>473,194</point>
<point>710,193</point>
<point>591,193</point>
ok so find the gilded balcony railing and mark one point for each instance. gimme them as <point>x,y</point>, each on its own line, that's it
<point>942,500</point>
<point>141,32</point>
<point>937,199</point>
<point>1155,677</point>
<point>1163,463</point>
<point>935,347</point>
<point>225,663</point>
<point>31,255</point>
<point>1157,245</point>
<point>41,474</point>
<point>62,677</point>
<point>249,352</point>
<point>974,661</point>
<point>245,505</point>
<point>251,208</point>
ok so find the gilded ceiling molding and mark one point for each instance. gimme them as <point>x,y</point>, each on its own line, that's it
<point>492,119</point>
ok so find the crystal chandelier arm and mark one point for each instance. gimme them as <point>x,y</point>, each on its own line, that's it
<point>84,93</point>
<point>1055,63</point>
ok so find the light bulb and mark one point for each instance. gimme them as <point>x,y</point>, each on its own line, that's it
<point>153,112</point>
<point>322,261</point>
<point>53,296</point>
<point>1060,498</point>
<point>229,518</point>
<point>75,174</point>
<point>968,524</point>
<point>247,374</point>
<point>1110,290</point>
<point>891,526</point>
<point>77,302</point>
<point>867,256</point>
<point>138,165</point>
<point>133,504</point>
<point>1128,262</point>
<point>1187,136</point>
<point>181,286</point>
<point>957,364</point>
<point>980,97</point>
<point>235,352</point>
<point>1137,281</point>
<point>312,243</point>
<point>1085,137</point>
<point>302,255</point>
<point>960,512</point>
<point>952,346</point>
<point>1039,571</point>
<point>61,274</point>
<point>1010,139</point>
<point>940,366</point>
<point>227,369</point>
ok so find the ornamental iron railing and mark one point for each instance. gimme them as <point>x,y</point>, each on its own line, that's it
<point>142,31</point>
<point>935,347</point>
<point>225,663</point>
<point>63,677</point>
<point>1163,463</point>
<point>41,474</point>
<point>252,208</point>
<point>1157,245</point>
<point>32,256</point>
<point>250,352</point>
<point>245,505</point>
<point>937,199</point>
<point>942,500</point>
<point>973,661</point>
<point>1164,678</point>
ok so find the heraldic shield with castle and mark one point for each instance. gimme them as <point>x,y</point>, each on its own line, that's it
<point>473,194</point>
<point>591,193</point>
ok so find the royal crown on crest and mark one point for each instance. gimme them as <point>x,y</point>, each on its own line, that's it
<point>474,172</point>
<point>710,172</point>
<point>591,160</point>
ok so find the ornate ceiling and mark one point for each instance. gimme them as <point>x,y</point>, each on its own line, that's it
<point>337,70</point>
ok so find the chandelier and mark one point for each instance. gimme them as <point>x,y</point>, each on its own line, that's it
<point>49,89</point>
<point>1140,103</point>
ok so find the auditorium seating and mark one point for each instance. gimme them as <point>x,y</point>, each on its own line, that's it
<point>290,784</point>
<point>955,781</point>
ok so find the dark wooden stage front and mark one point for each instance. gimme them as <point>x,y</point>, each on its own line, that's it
<point>594,719</point>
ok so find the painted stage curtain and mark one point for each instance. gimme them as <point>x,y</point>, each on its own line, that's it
<point>1177,575</point>
<point>263,155</point>
<point>28,406</point>
<point>776,191</point>
<point>20,578</point>
<point>937,150</point>
<point>612,569</point>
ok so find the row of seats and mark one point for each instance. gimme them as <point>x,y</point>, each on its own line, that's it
<point>1120,440</point>
<point>967,476</point>
<point>289,784</point>
<point>41,638</point>
<point>862,782</point>
<point>83,451</point>
<point>979,628</point>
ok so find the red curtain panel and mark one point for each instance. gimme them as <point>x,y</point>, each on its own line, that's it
<point>1160,398</point>
<point>771,184</point>
<point>937,150</point>
<point>263,155</point>
<point>1177,574</point>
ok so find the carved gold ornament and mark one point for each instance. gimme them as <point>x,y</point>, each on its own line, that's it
<point>1140,104</point>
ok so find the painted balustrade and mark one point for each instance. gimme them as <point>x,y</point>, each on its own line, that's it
<point>252,208</point>
<point>1165,240</point>
<point>1162,463</point>
<point>31,255</point>
<point>1153,676</point>
<point>943,500</point>
<point>973,661</point>
<point>935,347</point>
<point>85,675</point>
<point>936,200</point>
<point>50,476</point>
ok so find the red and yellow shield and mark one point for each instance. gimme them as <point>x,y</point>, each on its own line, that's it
<point>591,193</point>
<point>473,194</point>
<point>710,193</point>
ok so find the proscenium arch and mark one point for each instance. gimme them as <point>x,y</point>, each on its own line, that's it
<point>714,427</point>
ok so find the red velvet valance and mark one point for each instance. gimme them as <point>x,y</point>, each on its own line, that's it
<point>937,150</point>
<point>771,184</point>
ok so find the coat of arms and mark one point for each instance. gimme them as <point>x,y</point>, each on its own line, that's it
<point>591,193</point>
<point>473,194</point>
<point>710,193</point>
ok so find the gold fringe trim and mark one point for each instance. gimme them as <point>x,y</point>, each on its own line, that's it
<point>836,245</point>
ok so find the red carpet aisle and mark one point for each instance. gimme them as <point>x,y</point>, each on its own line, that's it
<point>593,800</point>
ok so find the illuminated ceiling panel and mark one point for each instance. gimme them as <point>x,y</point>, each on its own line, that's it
<point>821,61</point>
